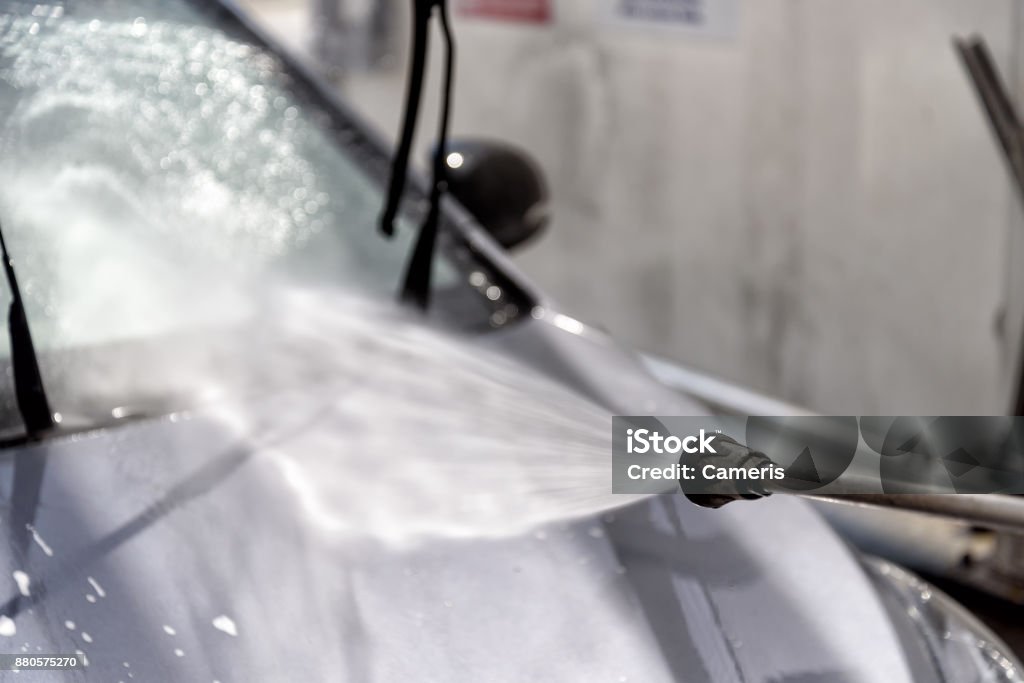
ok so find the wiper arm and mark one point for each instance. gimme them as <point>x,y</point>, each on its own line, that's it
<point>416,283</point>
<point>28,381</point>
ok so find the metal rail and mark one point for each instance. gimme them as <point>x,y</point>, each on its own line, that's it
<point>1006,126</point>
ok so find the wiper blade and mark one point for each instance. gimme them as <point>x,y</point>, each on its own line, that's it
<point>414,91</point>
<point>416,283</point>
<point>28,381</point>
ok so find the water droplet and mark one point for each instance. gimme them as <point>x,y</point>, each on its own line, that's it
<point>86,637</point>
<point>7,627</point>
<point>178,652</point>
<point>139,27</point>
<point>596,532</point>
<point>69,625</point>
<point>169,630</point>
<point>39,540</point>
<point>226,624</point>
<point>23,581</point>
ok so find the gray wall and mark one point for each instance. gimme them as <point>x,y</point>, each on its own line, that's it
<point>813,207</point>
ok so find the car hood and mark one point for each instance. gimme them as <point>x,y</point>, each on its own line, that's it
<point>174,550</point>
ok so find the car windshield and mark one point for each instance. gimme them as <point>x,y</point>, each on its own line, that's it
<point>155,160</point>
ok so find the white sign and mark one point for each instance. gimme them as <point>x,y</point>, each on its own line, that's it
<point>714,18</point>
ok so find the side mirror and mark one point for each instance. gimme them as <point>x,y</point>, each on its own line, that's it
<point>502,186</point>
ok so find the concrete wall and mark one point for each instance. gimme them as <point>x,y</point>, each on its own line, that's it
<point>813,207</point>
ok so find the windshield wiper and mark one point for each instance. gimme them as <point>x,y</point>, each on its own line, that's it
<point>416,283</point>
<point>28,382</point>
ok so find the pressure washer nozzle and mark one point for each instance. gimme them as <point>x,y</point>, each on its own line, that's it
<point>728,454</point>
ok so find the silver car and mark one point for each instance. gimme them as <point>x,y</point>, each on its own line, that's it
<point>162,168</point>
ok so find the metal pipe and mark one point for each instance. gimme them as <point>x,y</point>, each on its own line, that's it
<point>982,509</point>
<point>988,509</point>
